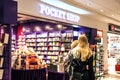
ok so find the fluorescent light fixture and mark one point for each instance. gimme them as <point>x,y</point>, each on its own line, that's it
<point>65,6</point>
<point>75,26</point>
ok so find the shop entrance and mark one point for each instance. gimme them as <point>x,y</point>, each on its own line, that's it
<point>50,40</point>
<point>43,44</point>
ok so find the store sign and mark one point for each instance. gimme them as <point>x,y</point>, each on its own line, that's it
<point>114,28</point>
<point>100,33</point>
<point>57,13</point>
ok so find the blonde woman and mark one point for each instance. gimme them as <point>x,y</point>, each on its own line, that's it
<point>81,56</point>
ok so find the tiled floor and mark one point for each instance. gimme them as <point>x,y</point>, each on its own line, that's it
<point>112,76</point>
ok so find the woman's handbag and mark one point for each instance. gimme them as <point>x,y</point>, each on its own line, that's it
<point>67,65</point>
<point>68,68</point>
<point>77,75</point>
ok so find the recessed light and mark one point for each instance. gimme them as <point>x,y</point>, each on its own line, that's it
<point>59,26</point>
<point>112,14</point>
<point>101,10</point>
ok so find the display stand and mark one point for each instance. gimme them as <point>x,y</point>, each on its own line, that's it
<point>1,62</point>
<point>99,63</point>
<point>117,66</point>
<point>49,45</point>
<point>99,59</point>
<point>6,41</point>
<point>37,74</point>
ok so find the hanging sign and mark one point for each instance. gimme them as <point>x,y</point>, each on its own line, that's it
<point>58,13</point>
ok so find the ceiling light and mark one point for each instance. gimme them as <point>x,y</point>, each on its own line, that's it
<point>112,14</point>
<point>101,10</point>
<point>47,27</point>
<point>59,26</point>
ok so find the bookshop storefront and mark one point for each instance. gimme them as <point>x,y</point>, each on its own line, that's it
<point>48,38</point>
<point>42,42</point>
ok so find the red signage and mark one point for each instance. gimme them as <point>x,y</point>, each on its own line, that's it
<point>100,33</point>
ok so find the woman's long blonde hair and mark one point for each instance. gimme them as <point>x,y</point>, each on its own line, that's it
<point>82,50</point>
<point>74,44</point>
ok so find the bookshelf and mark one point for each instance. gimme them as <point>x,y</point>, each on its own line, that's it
<point>48,45</point>
<point>1,62</point>
<point>13,43</point>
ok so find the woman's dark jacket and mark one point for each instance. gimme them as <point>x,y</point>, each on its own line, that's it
<point>83,67</point>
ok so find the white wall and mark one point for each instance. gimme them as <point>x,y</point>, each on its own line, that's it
<point>30,7</point>
<point>93,23</point>
<point>105,42</point>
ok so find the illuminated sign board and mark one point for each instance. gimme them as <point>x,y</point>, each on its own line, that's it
<point>57,13</point>
<point>114,28</point>
<point>100,33</point>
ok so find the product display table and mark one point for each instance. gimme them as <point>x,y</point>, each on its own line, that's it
<point>56,72</point>
<point>117,68</point>
<point>57,76</point>
<point>38,74</point>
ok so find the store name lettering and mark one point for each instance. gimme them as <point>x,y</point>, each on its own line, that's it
<point>117,29</point>
<point>53,12</point>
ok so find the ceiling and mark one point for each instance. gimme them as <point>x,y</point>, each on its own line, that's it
<point>103,10</point>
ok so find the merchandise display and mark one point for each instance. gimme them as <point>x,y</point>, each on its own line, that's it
<point>13,43</point>
<point>50,47</point>
<point>30,41</point>
<point>1,60</point>
<point>113,45</point>
<point>26,58</point>
<point>50,42</point>
<point>20,41</point>
<point>67,38</point>
<point>118,60</point>
<point>117,68</point>
<point>117,65</point>
<point>99,62</point>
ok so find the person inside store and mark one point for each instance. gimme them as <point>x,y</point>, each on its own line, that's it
<point>80,59</point>
<point>73,45</point>
<point>67,60</point>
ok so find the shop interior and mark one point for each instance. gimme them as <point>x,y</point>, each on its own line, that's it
<point>47,41</point>
<point>43,44</point>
